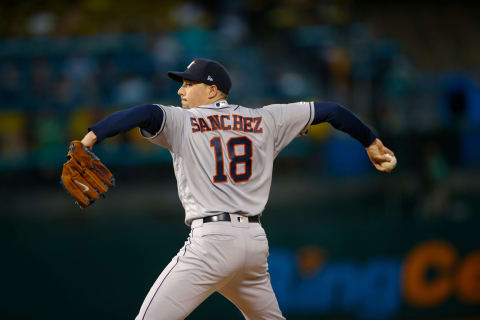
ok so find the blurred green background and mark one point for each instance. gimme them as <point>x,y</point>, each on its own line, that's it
<point>346,241</point>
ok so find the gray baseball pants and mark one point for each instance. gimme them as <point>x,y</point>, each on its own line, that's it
<point>225,256</point>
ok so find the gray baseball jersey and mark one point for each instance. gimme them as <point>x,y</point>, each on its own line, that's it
<point>223,154</point>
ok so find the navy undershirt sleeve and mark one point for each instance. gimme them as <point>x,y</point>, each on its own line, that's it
<point>149,117</point>
<point>344,120</point>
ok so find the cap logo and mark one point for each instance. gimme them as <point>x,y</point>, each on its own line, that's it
<point>191,63</point>
<point>209,78</point>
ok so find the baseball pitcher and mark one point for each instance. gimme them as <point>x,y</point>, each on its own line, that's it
<point>223,157</point>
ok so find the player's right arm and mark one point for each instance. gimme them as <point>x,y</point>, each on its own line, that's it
<point>345,120</point>
<point>293,119</point>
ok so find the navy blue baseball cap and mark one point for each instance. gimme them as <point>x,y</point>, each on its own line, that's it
<point>205,71</point>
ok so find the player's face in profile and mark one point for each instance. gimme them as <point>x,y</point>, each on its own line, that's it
<point>193,94</point>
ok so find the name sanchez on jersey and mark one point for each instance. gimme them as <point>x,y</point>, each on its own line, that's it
<point>234,122</point>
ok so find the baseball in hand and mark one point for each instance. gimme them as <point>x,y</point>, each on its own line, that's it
<point>391,163</point>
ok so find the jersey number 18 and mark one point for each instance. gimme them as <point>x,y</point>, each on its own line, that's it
<point>235,159</point>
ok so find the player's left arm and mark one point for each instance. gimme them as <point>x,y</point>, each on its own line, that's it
<point>344,120</point>
<point>148,117</point>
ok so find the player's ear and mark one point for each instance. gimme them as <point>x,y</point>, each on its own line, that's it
<point>213,91</point>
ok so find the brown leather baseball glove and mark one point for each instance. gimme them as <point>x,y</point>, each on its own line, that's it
<point>84,176</point>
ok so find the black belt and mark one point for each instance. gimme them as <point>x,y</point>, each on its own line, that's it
<point>225,216</point>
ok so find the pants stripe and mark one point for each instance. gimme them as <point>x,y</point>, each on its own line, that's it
<point>178,258</point>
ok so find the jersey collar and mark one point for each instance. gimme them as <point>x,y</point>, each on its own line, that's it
<point>216,105</point>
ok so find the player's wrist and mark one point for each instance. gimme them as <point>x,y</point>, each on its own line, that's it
<point>90,139</point>
<point>375,143</point>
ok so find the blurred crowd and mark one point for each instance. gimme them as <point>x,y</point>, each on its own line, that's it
<point>65,65</point>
